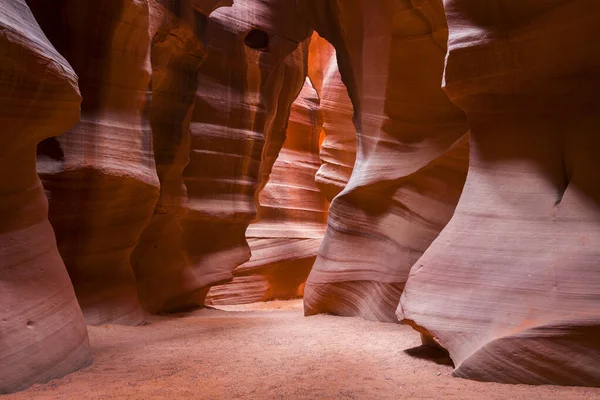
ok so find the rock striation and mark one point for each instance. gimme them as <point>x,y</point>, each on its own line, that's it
<point>291,218</point>
<point>255,67</point>
<point>42,332</point>
<point>163,274</point>
<point>338,150</point>
<point>411,153</point>
<point>100,176</point>
<point>511,287</point>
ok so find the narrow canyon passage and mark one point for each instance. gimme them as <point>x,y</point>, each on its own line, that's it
<point>270,351</point>
<point>299,199</point>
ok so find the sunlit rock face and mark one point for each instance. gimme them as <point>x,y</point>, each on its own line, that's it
<point>42,332</point>
<point>100,177</point>
<point>291,219</point>
<point>338,150</point>
<point>411,156</point>
<point>511,287</point>
<point>163,274</point>
<point>255,67</point>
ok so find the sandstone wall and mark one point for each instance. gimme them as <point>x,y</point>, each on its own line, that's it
<point>255,68</point>
<point>338,150</point>
<point>511,285</point>
<point>291,218</point>
<point>100,177</point>
<point>42,332</point>
<point>411,154</point>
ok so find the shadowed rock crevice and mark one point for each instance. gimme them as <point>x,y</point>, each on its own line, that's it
<point>257,39</point>
<point>50,148</point>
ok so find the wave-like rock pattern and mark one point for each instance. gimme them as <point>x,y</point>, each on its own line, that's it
<point>42,332</point>
<point>292,216</point>
<point>412,153</point>
<point>163,274</point>
<point>338,150</point>
<point>100,177</point>
<point>255,67</point>
<point>511,287</point>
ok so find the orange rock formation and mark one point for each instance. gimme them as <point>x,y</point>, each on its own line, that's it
<point>511,285</point>
<point>254,70</point>
<point>42,333</point>
<point>411,156</point>
<point>160,128</point>
<point>292,216</point>
<point>100,176</point>
<point>338,150</point>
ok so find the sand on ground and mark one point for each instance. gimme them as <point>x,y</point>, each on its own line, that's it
<point>271,351</point>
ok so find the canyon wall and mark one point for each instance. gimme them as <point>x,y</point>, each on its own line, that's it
<point>181,146</point>
<point>291,218</point>
<point>254,70</point>
<point>42,332</point>
<point>338,150</point>
<point>511,287</point>
<point>411,156</point>
<point>100,177</point>
<point>165,279</point>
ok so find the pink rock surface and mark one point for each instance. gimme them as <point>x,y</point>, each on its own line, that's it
<point>511,287</point>
<point>42,332</point>
<point>411,153</point>
<point>338,150</point>
<point>291,218</point>
<point>100,177</point>
<point>255,67</point>
<point>163,274</point>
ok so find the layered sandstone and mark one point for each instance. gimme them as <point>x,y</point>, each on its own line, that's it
<point>42,332</point>
<point>411,153</point>
<point>100,177</point>
<point>255,67</point>
<point>511,287</point>
<point>338,150</point>
<point>291,218</point>
<point>162,270</point>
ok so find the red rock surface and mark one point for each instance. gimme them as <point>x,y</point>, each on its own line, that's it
<point>162,270</point>
<point>411,153</point>
<point>183,109</point>
<point>42,332</point>
<point>255,67</point>
<point>338,150</point>
<point>100,176</point>
<point>291,218</point>
<point>511,287</point>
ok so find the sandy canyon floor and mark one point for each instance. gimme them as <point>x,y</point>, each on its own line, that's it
<point>270,351</point>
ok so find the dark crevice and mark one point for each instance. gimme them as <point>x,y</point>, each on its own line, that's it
<point>257,40</point>
<point>201,26</point>
<point>50,148</point>
<point>428,352</point>
<point>565,179</point>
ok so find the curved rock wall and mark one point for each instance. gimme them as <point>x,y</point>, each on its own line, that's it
<point>162,271</point>
<point>411,158</point>
<point>292,216</point>
<point>511,287</point>
<point>338,150</point>
<point>100,176</point>
<point>42,332</point>
<point>198,103</point>
<point>255,68</point>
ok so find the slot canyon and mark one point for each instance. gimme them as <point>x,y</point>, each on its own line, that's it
<point>299,199</point>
